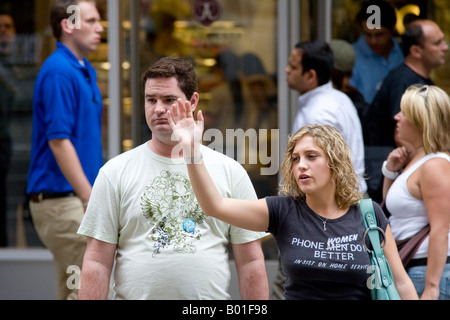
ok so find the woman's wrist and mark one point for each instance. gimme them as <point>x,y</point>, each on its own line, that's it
<point>392,175</point>
<point>194,160</point>
<point>194,154</point>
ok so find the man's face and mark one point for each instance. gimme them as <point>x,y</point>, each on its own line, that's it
<point>294,71</point>
<point>379,40</point>
<point>87,38</point>
<point>160,95</point>
<point>434,48</point>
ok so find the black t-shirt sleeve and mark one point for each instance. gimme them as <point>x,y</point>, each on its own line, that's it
<point>276,213</point>
<point>382,220</point>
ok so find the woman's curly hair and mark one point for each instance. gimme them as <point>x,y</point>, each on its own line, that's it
<point>332,143</point>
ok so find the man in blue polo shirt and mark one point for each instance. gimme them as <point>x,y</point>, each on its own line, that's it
<point>377,51</point>
<point>66,150</point>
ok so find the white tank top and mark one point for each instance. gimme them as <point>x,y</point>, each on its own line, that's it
<point>408,213</point>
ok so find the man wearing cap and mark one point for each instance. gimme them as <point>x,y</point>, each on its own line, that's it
<point>344,61</point>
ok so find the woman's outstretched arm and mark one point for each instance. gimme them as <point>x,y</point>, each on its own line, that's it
<point>246,214</point>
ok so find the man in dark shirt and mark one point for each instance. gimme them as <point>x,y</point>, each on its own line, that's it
<point>424,47</point>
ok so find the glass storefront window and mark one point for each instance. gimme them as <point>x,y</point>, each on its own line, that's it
<point>21,50</point>
<point>233,46</point>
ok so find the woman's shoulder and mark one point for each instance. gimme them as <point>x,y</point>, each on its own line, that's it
<point>437,163</point>
<point>282,211</point>
<point>439,157</point>
<point>283,199</point>
<point>435,171</point>
<point>285,204</point>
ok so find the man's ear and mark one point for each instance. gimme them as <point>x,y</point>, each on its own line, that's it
<point>416,51</point>
<point>65,27</point>
<point>194,101</point>
<point>311,78</point>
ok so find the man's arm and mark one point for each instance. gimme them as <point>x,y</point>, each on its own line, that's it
<point>69,164</point>
<point>251,270</point>
<point>96,272</point>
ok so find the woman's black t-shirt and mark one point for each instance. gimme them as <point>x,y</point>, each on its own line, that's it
<point>320,264</point>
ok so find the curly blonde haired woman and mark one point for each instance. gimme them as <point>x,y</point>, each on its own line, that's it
<point>316,221</point>
<point>419,196</point>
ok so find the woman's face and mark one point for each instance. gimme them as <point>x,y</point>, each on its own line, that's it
<point>310,168</point>
<point>405,131</point>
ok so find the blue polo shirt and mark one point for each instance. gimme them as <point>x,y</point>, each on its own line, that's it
<point>67,104</point>
<point>370,69</point>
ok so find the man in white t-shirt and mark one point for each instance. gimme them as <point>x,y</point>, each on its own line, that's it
<point>309,73</point>
<point>143,214</point>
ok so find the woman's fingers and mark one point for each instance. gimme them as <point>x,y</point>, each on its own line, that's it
<point>181,116</point>
<point>187,109</point>
<point>170,119</point>
<point>200,119</point>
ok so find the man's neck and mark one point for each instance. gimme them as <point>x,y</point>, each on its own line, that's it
<point>164,150</point>
<point>315,88</point>
<point>417,67</point>
<point>387,51</point>
<point>79,55</point>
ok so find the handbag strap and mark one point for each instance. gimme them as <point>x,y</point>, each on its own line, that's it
<point>373,231</point>
<point>370,221</point>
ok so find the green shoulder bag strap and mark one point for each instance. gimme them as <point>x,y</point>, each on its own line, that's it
<point>378,260</point>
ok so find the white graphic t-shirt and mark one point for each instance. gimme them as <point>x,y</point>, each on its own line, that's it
<point>167,248</point>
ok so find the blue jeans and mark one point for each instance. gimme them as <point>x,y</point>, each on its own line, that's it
<point>417,275</point>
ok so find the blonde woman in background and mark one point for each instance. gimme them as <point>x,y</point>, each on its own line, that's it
<point>420,195</point>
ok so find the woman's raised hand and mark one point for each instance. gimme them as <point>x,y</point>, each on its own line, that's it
<point>185,129</point>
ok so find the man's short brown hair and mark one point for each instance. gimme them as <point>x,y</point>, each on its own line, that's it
<point>174,67</point>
